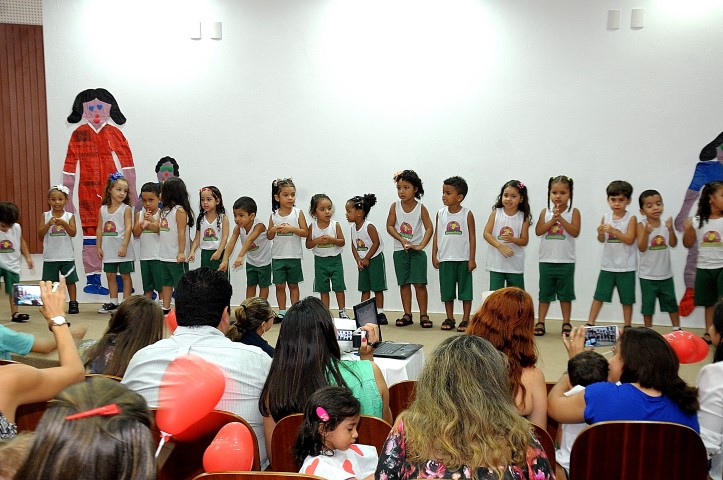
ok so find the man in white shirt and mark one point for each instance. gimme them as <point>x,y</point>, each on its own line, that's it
<point>202,313</point>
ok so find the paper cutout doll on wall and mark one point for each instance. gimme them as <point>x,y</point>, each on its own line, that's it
<point>91,152</point>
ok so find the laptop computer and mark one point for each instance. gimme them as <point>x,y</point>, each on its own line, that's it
<point>366,312</point>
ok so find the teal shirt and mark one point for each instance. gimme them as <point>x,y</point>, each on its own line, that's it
<point>359,377</point>
<point>14,342</point>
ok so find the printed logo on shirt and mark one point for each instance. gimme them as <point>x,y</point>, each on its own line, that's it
<point>506,231</point>
<point>253,247</point>
<point>109,229</point>
<point>711,239</point>
<point>325,245</point>
<point>556,232</point>
<point>658,243</point>
<point>6,246</point>
<point>57,231</point>
<point>405,230</point>
<point>453,228</point>
<point>361,246</point>
<point>209,235</point>
<point>613,239</point>
<point>163,226</point>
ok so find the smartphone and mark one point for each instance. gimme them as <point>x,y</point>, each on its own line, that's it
<point>601,335</point>
<point>25,294</point>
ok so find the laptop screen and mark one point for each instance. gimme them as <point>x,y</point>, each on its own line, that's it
<point>366,312</point>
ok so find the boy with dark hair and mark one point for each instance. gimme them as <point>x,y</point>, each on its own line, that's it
<point>12,247</point>
<point>617,232</point>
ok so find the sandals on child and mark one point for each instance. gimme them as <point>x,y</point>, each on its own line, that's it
<point>20,317</point>
<point>566,328</point>
<point>425,322</point>
<point>405,320</point>
<point>448,324</point>
<point>463,326</point>
<point>540,329</point>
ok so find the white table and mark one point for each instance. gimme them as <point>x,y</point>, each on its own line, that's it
<point>395,370</point>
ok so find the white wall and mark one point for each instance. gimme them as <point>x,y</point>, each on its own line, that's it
<point>340,94</point>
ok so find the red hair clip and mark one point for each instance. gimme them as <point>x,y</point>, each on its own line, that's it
<point>105,410</point>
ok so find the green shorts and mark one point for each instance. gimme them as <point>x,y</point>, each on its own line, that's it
<point>328,270</point>
<point>11,278</point>
<point>212,264</point>
<point>374,277</point>
<point>260,276</point>
<point>287,270</point>
<point>53,270</point>
<point>171,273</point>
<point>501,280</point>
<point>455,276</point>
<point>663,290</point>
<point>557,282</point>
<point>152,275</point>
<point>410,267</point>
<point>120,267</point>
<point>606,283</point>
<point>708,286</point>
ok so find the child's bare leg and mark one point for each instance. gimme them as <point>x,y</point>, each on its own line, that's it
<point>149,295</point>
<point>281,295</point>
<point>420,290</point>
<point>250,291</point>
<point>628,314</point>
<point>324,296</point>
<point>406,294</point>
<point>127,285</point>
<point>566,308</point>
<point>294,293</point>
<point>466,309</point>
<point>675,319</point>
<point>340,300</point>
<point>166,294</point>
<point>112,285</point>
<point>13,307</point>
<point>263,292</point>
<point>648,320</point>
<point>72,292</point>
<point>543,309</point>
<point>594,311</point>
<point>708,318</point>
<point>366,295</point>
<point>449,309</point>
<point>379,299</point>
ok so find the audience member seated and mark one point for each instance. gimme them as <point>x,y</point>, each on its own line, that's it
<point>307,357</point>
<point>506,319</point>
<point>21,343</point>
<point>137,323</point>
<point>202,313</point>
<point>253,318</point>
<point>463,422</point>
<point>95,430</point>
<point>22,383</point>
<point>651,389</point>
<point>710,396</point>
<point>584,369</point>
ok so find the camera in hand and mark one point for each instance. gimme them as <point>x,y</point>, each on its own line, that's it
<point>27,295</point>
<point>357,336</point>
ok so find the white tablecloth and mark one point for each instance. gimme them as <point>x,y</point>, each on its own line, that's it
<point>394,370</point>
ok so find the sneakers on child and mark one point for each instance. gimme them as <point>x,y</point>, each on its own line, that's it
<point>342,314</point>
<point>73,308</point>
<point>382,319</point>
<point>107,308</point>
<point>279,317</point>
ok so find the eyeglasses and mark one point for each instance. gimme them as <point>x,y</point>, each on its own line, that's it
<point>272,317</point>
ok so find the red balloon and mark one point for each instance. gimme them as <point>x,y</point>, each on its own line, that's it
<point>231,451</point>
<point>191,387</point>
<point>688,347</point>
<point>171,322</point>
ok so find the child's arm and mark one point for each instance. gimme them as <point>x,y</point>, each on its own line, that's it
<point>601,230</point>
<point>523,239</point>
<point>339,241</point>
<point>644,229</point>
<point>627,237</point>
<point>543,227</point>
<point>428,230</point>
<point>44,227</point>
<point>672,237</point>
<point>357,258</point>
<point>391,222</point>
<point>128,220</point>
<point>472,264</point>
<point>312,242</point>
<point>258,230</point>
<point>689,233</point>
<point>99,236</point>
<point>26,252</point>
<point>271,230</point>
<point>224,238</point>
<point>435,260</point>
<point>137,227</point>
<point>229,249</point>
<point>181,222</point>
<point>504,249</point>
<point>69,227</point>
<point>194,246</point>
<point>374,235</point>
<point>574,227</point>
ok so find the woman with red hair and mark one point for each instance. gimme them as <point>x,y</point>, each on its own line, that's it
<point>506,319</point>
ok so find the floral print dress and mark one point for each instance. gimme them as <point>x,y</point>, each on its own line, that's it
<point>393,464</point>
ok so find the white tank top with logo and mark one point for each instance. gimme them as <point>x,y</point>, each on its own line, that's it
<point>169,235</point>
<point>556,244</point>
<point>259,254</point>
<point>452,235</point>
<point>617,256</point>
<point>710,246</point>
<point>114,229</point>
<point>150,242</point>
<point>286,245</point>
<point>329,249</point>
<point>10,248</point>
<point>211,233</point>
<point>655,261</point>
<point>57,244</point>
<point>507,225</point>
<point>408,225</point>
<point>362,242</point>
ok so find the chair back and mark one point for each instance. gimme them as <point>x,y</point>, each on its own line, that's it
<point>185,460</point>
<point>256,476</point>
<point>546,441</point>
<point>401,395</point>
<point>634,450</point>
<point>372,431</point>
<point>28,416</point>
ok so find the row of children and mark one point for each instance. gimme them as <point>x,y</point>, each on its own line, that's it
<point>272,252</point>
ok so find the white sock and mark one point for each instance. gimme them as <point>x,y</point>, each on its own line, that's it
<point>114,301</point>
<point>380,311</point>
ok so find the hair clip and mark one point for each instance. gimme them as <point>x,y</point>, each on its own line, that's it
<point>204,188</point>
<point>397,174</point>
<point>569,179</point>
<point>321,413</point>
<point>60,188</point>
<point>105,410</point>
<point>116,176</point>
<point>522,185</point>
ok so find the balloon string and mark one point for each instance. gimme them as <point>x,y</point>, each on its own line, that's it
<point>164,437</point>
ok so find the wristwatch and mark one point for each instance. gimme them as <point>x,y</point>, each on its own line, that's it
<point>57,321</point>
